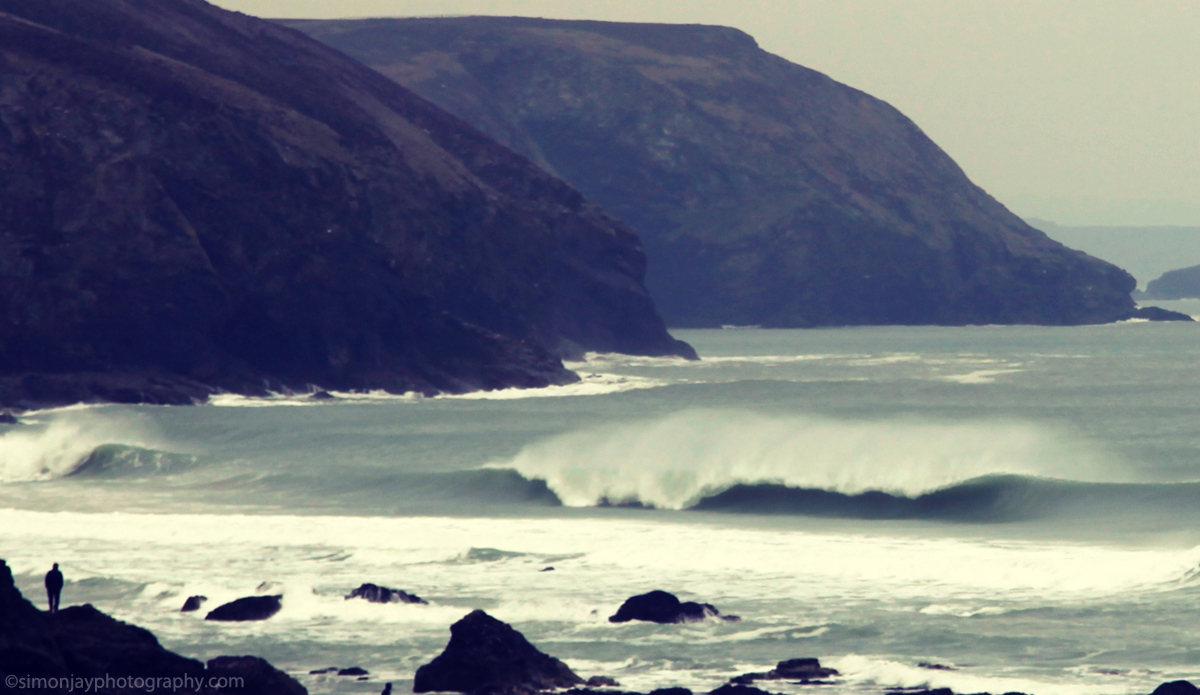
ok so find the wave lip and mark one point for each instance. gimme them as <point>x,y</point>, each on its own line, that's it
<point>60,443</point>
<point>676,461</point>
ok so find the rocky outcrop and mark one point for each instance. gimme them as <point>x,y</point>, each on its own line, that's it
<point>485,654</point>
<point>1176,688</point>
<point>1175,284</point>
<point>382,594</point>
<point>247,608</point>
<point>82,642</point>
<point>664,608</point>
<point>1155,313</point>
<point>193,199</point>
<point>193,603</point>
<point>803,670</point>
<point>765,193</point>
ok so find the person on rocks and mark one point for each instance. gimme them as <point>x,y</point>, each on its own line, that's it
<point>54,585</point>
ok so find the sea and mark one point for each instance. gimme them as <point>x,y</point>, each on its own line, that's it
<point>985,508</point>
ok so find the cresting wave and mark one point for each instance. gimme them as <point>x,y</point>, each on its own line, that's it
<point>678,460</point>
<point>57,443</point>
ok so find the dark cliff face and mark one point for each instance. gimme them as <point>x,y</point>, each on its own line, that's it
<point>764,192</point>
<point>199,197</point>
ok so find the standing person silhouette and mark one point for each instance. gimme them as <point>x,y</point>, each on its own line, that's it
<point>54,585</point>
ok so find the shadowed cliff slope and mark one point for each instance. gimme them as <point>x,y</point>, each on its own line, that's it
<point>192,198</point>
<point>764,192</point>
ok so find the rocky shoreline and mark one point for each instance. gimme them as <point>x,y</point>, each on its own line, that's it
<point>80,647</point>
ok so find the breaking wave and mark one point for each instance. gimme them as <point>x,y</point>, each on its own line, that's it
<point>57,444</point>
<point>677,461</point>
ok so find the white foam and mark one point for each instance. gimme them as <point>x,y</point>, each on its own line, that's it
<point>982,376</point>
<point>233,400</point>
<point>867,671</point>
<point>590,384</point>
<point>672,461</point>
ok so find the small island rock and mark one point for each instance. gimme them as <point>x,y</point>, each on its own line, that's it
<point>382,594</point>
<point>192,603</point>
<point>664,608</point>
<point>247,608</point>
<point>803,670</point>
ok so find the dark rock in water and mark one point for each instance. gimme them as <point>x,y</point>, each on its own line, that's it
<point>193,199</point>
<point>732,689</point>
<point>660,691</point>
<point>382,594</point>
<point>83,642</point>
<point>259,676</point>
<point>663,607</point>
<point>1176,688</point>
<point>353,671</point>
<point>601,682</point>
<point>248,608</point>
<point>485,653</point>
<point>192,603</point>
<point>7,418</point>
<point>320,671</point>
<point>1154,313</point>
<point>546,569</point>
<point>791,669</point>
<point>935,667</point>
<point>323,396</point>
<point>1183,283</point>
<point>765,193</point>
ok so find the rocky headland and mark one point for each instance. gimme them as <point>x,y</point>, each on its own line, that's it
<point>1183,283</point>
<point>195,200</point>
<point>765,193</point>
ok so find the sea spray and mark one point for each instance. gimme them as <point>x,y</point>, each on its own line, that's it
<point>672,462</point>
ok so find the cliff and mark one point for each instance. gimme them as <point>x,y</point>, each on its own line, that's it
<point>1183,283</point>
<point>764,192</point>
<point>193,199</point>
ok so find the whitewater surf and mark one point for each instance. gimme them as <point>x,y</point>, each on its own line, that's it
<point>1017,505</point>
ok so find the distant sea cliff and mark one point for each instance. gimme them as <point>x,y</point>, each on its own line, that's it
<point>765,193</point>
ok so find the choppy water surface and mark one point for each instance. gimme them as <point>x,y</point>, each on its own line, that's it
<point>1019,503</point>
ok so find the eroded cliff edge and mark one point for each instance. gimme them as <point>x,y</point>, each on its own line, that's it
<point>193,199</point>
<point>764,192</point>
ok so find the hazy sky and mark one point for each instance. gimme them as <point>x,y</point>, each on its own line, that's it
<point>1076,111</point>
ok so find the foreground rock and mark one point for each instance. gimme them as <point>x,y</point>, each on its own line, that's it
<point>82,642</point>
<point>1176,688</point>
<point>204,200</point>
<point>487,654</point>
<point>765,193</point>
<point>248,608</point>
<point>663,607</point>
<point>382,594</point>
<point>801,670</point>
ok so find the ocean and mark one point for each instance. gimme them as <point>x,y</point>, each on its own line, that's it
<point>1018,506</point>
